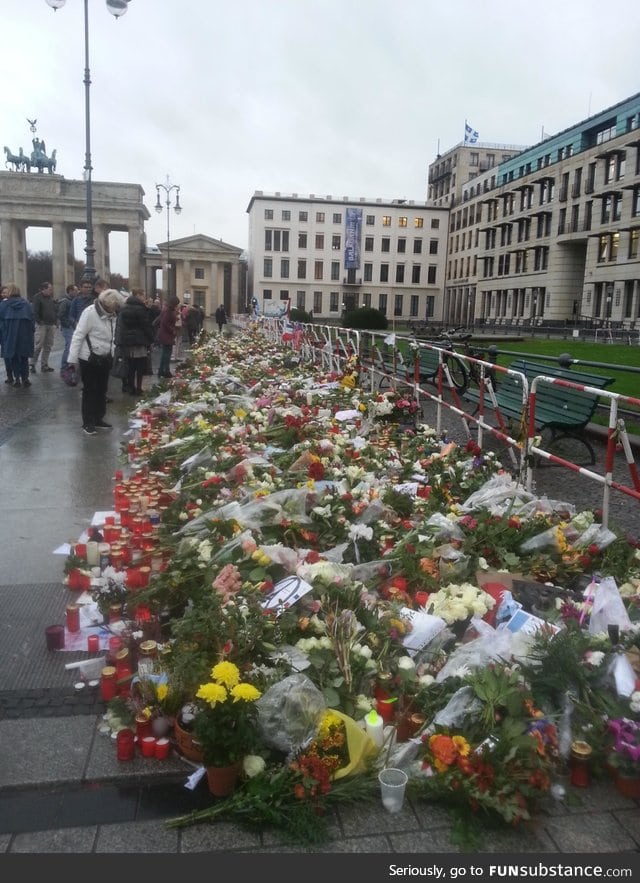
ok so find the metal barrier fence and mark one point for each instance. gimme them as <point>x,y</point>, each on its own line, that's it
<point>379,357</point>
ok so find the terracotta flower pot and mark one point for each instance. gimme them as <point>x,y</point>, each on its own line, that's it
<point>186,744</point>
<point>628,785</point>
<point>222,780</point>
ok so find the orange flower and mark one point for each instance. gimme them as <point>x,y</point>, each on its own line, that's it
<point>444,751</point>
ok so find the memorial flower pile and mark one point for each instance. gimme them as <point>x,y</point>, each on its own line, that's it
<point>300,539</point>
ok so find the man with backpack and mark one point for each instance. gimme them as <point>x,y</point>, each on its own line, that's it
<point>65,321</point>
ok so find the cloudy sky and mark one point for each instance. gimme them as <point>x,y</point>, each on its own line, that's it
<point>342,97</point>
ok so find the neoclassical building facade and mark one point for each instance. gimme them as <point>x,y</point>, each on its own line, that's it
<point>33,200</point>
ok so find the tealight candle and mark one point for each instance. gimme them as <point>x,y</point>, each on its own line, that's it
<point>374,727</point>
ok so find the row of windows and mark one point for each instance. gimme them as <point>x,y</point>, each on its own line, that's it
<point>609,243</point>
<point>335,270</point>
<point>278,240</point>
<point>336,218</point>
<point>336,302</point>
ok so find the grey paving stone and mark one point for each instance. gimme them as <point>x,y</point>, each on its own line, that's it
<point>353,845</point>
<point>273,837</point>
<point>372,818</point>
<point>44,751</point>
<point>217,837</point>
<point>139,837</point>
<point>64,840</point>
<point>103,763</point>
<point>530,838</point>
<point>598,797</point>
<point>5,840</point>
<point>431,815</point>
<point>630,821</point>
<point>597,832</point>
<point>438,840</point>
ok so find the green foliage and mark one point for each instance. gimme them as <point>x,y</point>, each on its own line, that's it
<point>298,315</point>
<point>365,317</point>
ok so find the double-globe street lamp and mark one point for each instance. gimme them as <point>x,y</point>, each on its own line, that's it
<point>168,190</point>
<point>116,8</point>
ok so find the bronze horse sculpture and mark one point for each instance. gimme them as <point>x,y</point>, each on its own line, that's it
<point>41,161</point>
<point>18,160</point>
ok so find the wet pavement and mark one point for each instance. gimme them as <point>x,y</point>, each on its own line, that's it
<point>61,788</point>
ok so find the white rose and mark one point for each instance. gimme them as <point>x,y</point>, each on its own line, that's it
<point>634,702</point>
<point>406,663</point>
<point>426,680</point>
<point>253,765</point>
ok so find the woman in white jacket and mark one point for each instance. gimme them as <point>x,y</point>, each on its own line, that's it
<point>94,333</point>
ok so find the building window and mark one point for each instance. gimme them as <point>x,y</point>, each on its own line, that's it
<point>317,302</point>
<point>418,223</point>
<point>284,268</point>
<point>474,158</point>
<point>335,242</point>
<point>382,303</point>
<point>284,295</point>
<point>267,294</point>
<point>414,303</point>
<point>400,273</point>
<point>633,243</point>
<point>402,245</point>
<point>286,214</point>
<point>268,214</point>
<point>302,268</point>
<point>417,246</point>
<point>268,268</point>
<point>319,240</point>
<point>198,273</point>
<point>317,270</point>
<point>366,300</point>
<point>319,217</point>
<point>370,221</point>
<point>368,272</point>
<point>402,222</point>
<point>300,298</point>
<point>334,300</point>
<point>268,240</point>
<point>280,239</point>
<point>337,217</point>
<point>302,240</point>
<point>385,244</point>
<point>635,202</point>
<point>397,305</point>
<point>433,246</point>
<point>431,274</point>
<point>303,216</point>
<point>386,220</point>
<point>335,271</point>
<point>415,274</point>
<point>384,272</point>
<point>368,243</point>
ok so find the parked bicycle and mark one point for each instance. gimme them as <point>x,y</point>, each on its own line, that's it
<point>462,372</point>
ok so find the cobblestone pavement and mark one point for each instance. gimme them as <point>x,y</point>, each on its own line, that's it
<point>61,788</point>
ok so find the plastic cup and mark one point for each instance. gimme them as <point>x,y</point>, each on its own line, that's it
<point>392,787</point>
<point>162,748</point>
<point>54,635</point>
<point>148,746</point>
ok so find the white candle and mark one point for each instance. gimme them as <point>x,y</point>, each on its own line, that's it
<point>374,727</point>
<point>93,554</point>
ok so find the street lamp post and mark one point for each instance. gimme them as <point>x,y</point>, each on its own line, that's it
<point>116,8</point>
<point>168,190</point>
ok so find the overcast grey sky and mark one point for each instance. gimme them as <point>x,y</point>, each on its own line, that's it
<point>342,97</point>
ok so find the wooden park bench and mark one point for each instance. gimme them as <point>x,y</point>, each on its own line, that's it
<point>563,411</point>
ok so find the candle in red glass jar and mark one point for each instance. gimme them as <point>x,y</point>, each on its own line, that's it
<point>108,686</point>
<point>580,758</point>
<point>73,618</point>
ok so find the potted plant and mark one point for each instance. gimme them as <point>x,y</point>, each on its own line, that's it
<point>624,755</point>
<point>225,725</point>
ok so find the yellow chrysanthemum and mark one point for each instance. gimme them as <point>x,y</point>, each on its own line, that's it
<point>213,694</point>
<point>162,691</point>
<point>462,746</point>
<point>225,673</point>
<point>245,693</point>
<point>330,720</point>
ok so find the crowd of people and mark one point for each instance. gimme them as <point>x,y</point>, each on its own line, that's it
<point>95,322</point>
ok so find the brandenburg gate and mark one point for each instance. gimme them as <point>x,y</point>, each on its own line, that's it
<point>36,200</point>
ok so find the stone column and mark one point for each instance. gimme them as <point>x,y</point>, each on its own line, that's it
<point>135,260</point>
<point>59,259</point>
<point>183,280</point>
<point>101,242</point>
<point>235,294</point>
<point>14,255</point>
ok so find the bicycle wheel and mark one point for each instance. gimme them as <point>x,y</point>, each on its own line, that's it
<point>458,372</point>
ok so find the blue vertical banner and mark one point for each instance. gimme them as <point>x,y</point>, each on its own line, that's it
<point>352,238</point>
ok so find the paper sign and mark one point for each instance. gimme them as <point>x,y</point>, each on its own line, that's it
<point>521,621</point>
<point>351,414</point>
<point>424,628</point>
<point>408,487</point>
<point>286,592</point>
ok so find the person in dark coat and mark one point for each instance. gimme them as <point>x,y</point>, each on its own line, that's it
<point>166,335</point>
<point>135,334</point>
<point>17,334</point>
<point>221,317</point>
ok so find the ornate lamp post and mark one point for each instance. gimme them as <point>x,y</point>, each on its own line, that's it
<point>168,190</point>
<point>116,8</point>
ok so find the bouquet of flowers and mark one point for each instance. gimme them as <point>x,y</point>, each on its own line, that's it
<point>625,750</point>
<point>394,407</point>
